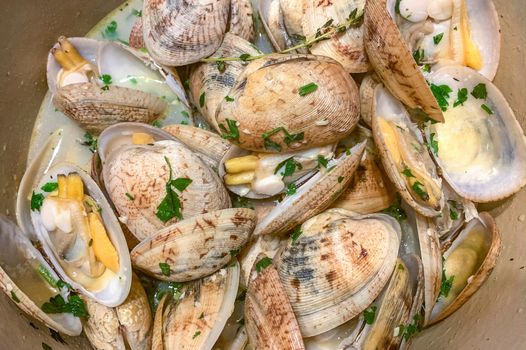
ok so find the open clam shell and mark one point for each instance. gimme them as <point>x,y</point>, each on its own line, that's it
<point>196,318</point>
<point>393,62</point>
<point>316,268</point>
<point>209,85</point>
<point>269,319</point>
<point>177,34</point>
<point>314,196</point>
<point>405,156</point>
<point>135,177</point>
<point>195,247</point>
<point>481,146</point>
<point>467,264</point>
<point>299,102</point>
<point>19,279</point>
<point>111,287</point>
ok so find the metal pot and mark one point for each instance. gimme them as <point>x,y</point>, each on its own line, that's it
<point>493,319</point>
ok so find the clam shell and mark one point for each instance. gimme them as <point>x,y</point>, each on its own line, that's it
<point>19,281</point>
<point>387,108</point>
<point>293,12</point>
<point>393,62</point>
<point>367,87</point>
<point>208,81</point>
<point>180,33</point>
<point>102,327</point>
<point>269,319</point>
<point>267,96</point>
<point>158,323</point>
<point>136,39</point>
<point>272,18</point>
<point>416,271</point>
<point>142,172</point>
<point>208,146</point>
<point>267,245</point>
<point>313,197</point>
<point>115,291</point>
<point>96,109</point>
<point>195,247</point>
<point>337,267</point>
<point>241,23</point>
<point>492,237</point>
<point>348,47</point>
<point>196,320</point>
<point>482,157</point>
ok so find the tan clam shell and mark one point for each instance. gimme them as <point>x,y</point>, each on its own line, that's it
<point>158,321</point>
<point>416,268</point>
<point>95,109</point>
<point>207,145</point>
<point>196,320</point>
<point>367,87</point>
<point>267,245</point>
<point>266,96</point>
<point>195,247</point>
<point>369,191</point>
<point>269,319</point>
<point>313,197</point>
<point>180,33</point>
<point>347,48</point>
<point>272,19</point>
<point>337,267</point>
<point>241,23</point>
<point>102,327</point>
<point>136,39</point>
<point>393,62</point>
<point>205,78</point>
<point>293,12</point>
<point>142,172</point>
<point>480,276</point>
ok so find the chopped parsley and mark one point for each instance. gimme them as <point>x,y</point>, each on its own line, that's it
<point>418,188</point>
<point>36,201</point>
<point>196,334</point>
<point>395,210</point>
<point>105,88</point>
<point>289,166</point>
<point>407,331</point>
<point>462,96</point>
<point>296,233</point>
<point>433,144</point>
<point>157,123</point>
<point>263,264</point>
<point>291,189</point>
<point>57,305</point>
<point>229,99</point>
<point>446,284</point>
<point>486,109</point>
<point>322,161</point>
<point>441,93</point>
<point>170,206</point>
<point>438,38</point>
<point>234,253</point>
<point>14,297</point>
<point>49,187</point>
<point>174,288</point>
<point>221,66</point>
<point>340,179</point>
<point>202,99</point>
<point>130,196</point>
<point>418,55</point>
<point>426,68</point>
<point>407,172</point>
<point>230,133</point>
<point>137,13</point>
<point>453,214</point>
<point>369,314</point>
<point>202,315</point>
<point>288,139</point>
<point>90,141</point>
<point>245,57</point>
<point>307,89</point>
<point>165,268</point>
<point>241,202</point>
<point>397,7</point>
<point>480,92</point>
<point>111,30</point>
<point>106,79</point>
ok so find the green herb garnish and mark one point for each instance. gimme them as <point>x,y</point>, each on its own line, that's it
<point>296,233</point>
<point>453,214</point>
<point>49,187</point>
<point>418,188</point>
<point>14,297</point>
<point>447,283</point>
<point>202,99</point>
<point>165,268</point>
<point>426,68</point>
<point>307,89</point>
<point>441,93</point>
<point>106,79</point>
<point>395,210</point>
<point>230,133</point>
<point>130,196</point>
<point>245,57</point>
<point>36,201</point>
<point>57,305</point>
<point>157,123</point>
<point>407,172</point>
<point>433,144</point>
<point>234,253</point>
<point>288,139</point>
<point>418,55</point>
<point>170,206</point>
<point>486,109</point>
<point>229,99</point>
<point>438,38</point>
<point>480,92</point>
<point>289,167</point>
<point>263,264</point>
<point>462,96</point>
<point>369,314</point>
<point>111,29</point>
<point>90,141</point>
<point>137,13</point>
<point>221,66</point>
<point>196,334</point>
<point>322,161</point>
<point>291,189</point>
<point>411,329</point>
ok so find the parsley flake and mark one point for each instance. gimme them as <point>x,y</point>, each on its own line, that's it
<point>418,56</point>
<point>111,30</point>
<point>441,93</point>
<point>486,109</point>
<point>196,334</point>
<point>395,210</point>
<point>106,79</point>
<point>369,314</point>
<point>14,297</point>
<point>296,233</point>
<point>130,196</point>
<point>438,38</point>
<point>170,206</point>
<point>57,305</point>
<point>36,201</point>
<point>263,264</point>
<point>462,96</point>
<point>49,187</point>
<point>322,161</point>
<point>202,99</point>
<point>137,13</point>
<point>229,99</point>
<point>165,268</point>
<point>307,89</point>
<point>288,167</point>
<point>291,189</point>
<point>90,141</point>
<point>480,92</point>
<point>418,188</point>
<point>230,133</point>
<point>433,144</point>
<point>407,172</point>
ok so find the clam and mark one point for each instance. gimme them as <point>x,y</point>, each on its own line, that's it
<point>392,61</point>
<point>129,323</point>
<point>481,148</point>
<point>80,234</point>
<point>348,47</point>
<point>272,18</point>
<point>267,245</point>
<point>293,12</point>
<point>100,83</point>
<point>27,278</point>
<point>262,175</point>
<point>241,23</point>
<point>405,156</point>
<point>298,101</point>
<point>210,83</point>
<point>367,88</point>
<point>136,39</point>
<point>180,33</point>
<point>464,31</point>
<point>467,264</point>
<point>337,266</point>
<point>195,247</point>
<point>154,184</point>
<point>269,319</point>
<point>195,319</point>
<point>313,196</point>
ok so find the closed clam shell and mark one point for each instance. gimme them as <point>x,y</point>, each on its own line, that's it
<point>102,327</point>
<point>348,47</point>
<point>208,81</point>
<point>196,319</point>
<point>313,197</point>
<point>141,171</point>
<point>195,247</point>
<point>268,95</point>
<point>369,83</point>
<point>179,33</point>
<point>337,267</point>
<point>393,62</point>
<point>269,319</point>
<point>136,39</point>
<point>241,23</point>
<point>96,109</point>
<point>293,12</point>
